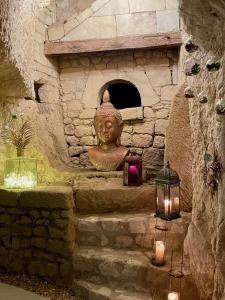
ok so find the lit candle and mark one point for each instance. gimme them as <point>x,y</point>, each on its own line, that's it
<point>159,252</point>
<point>176,202</point>
<point>133,174</point>
<point>133,169</point>
<point>167,207</point>
<point>173,296</point>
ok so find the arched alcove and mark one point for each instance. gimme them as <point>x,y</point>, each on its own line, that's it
<point>123,94</point>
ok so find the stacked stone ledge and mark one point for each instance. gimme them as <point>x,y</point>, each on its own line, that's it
<point>37,233</point>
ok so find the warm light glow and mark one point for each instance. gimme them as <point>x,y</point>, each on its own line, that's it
<point>173,296</point>
<point>167,207</point>
<point>14,181</point>
<point>133,169</point>
<point>159,252</point>
<point>176,202</point>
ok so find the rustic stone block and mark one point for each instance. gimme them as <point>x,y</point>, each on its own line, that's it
<point>21,230</point>
<point>35,214</point>
<point>124,241</point>
<point>146,5</point>
<point>5,219</point>
<point>114,7</point>
<point>72,140</point>
<point>145,127</point>
<point>24,220</point>
<point>142,140</point>
<point>87,114</point>
<point>47,197</point>
<point>82,130</point>
<point>160,126</point>
<point>15,211</point>
<point>40,231</point>
<point>162,113</point>
<point>172,4</point>
<point>87,141</point>
<point>148,113</point>
<point>159,142</point>
<point>6,240</point>
<point>153,156</point>
<point>134,113</point>
<point>58,247</point>
<point>4,231</point>
<point>75,150</point>
<point>126,139</point>
<point>133,24</point>
<point>69,129</point>
<point>104,27</point>
<point>61,223</point>
<point>8,198</point>
<point>38,242</point>
<point>167,21</point>
<point>55,233</point>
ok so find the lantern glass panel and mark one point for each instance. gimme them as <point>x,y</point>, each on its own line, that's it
<point>20,172</point>
<point>133,171</point>
<point>175,199</point>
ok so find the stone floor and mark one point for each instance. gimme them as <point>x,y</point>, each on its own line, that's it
<point>9,292</point>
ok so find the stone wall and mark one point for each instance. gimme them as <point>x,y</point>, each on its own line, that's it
<point>205,242</point>
<point>37,232</point>
<point>111,18</point>
<point>23,62</point>
<point>83,79</point>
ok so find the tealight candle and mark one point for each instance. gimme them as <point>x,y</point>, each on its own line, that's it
<point>167,207</point>
<point>173,296</point>
<point>159,252</point>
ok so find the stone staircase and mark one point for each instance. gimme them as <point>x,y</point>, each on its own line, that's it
<point>115,234</point>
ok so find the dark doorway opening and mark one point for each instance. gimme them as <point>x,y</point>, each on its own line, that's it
<point>124,95</point>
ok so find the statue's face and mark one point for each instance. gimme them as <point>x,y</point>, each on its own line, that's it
<point>108,129</point>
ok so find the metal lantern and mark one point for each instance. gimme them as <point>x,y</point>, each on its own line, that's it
<point>167,194</point>
<point>132,174</point>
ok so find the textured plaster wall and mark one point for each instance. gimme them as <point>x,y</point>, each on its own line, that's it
<point>22,63</point>
<point>206,240</point>
<point>114,18</point>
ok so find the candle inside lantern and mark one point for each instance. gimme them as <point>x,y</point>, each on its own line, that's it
<point>133,169</point>
<point>167,207</point>
<point>173,296</point>
<point>176,202</point>
<point>159,252</point>
<point>132,174</point>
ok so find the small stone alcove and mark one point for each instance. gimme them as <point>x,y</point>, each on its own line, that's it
<point>123,94</point>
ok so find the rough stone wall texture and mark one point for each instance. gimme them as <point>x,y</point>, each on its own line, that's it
<point>205,242</point>
<point>23,63</point>
<point>37,229</point>
<point>84,78</point>
<point>112,18</point>
<point>178,150</point>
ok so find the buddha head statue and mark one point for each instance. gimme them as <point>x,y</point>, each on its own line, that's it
<point>109,155</point>
<point>108,123</point>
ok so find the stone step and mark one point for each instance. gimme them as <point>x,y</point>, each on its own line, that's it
<point>127,231</point>
<point>129,270</point>
<point>103,195</point>
<point>91,291</point>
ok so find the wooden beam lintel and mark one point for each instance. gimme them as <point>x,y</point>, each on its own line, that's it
<point>115,44</point>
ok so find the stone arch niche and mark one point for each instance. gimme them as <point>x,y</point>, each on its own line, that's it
<point>98,80</point>
<point>123,94</point>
